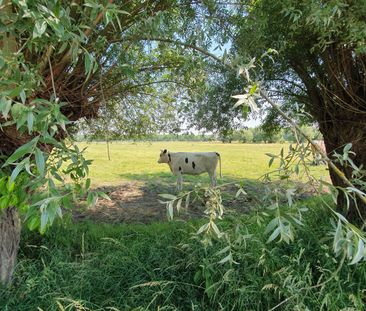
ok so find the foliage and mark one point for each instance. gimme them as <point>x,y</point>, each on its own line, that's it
<point>352,241</point>
<point>164,78</point>
<point>33,122</point>
<point>62,63</point>
<point>213,110</point>
<point>318,73</point>
<point>161,266</point>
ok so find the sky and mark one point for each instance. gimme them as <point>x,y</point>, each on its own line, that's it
<point>252,122</point>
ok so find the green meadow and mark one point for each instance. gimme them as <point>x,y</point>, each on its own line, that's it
<point>138,161</point>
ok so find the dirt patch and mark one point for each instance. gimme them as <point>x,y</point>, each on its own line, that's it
<point>138,202</point>
<point>131,202</point>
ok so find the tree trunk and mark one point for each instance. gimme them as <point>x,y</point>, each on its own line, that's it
<point>335,138</point>
<point>9,242</point>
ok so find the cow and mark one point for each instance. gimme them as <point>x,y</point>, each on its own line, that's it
<point>317,157</point>
<point>191,163</point>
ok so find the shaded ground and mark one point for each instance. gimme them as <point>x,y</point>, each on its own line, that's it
<point>138,202</point>
<point>131,202</point>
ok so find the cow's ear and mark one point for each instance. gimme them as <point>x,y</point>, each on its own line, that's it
<point>165,151</point>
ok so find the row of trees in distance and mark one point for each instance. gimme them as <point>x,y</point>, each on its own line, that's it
<point>248,135</point>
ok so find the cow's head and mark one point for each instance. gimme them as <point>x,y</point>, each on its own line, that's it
<point>164,156</point>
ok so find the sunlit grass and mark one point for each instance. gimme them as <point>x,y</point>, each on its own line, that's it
<point>138,161</point>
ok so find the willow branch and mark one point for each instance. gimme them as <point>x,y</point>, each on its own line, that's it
<point>340,174</point>
<point>67,57</point>
<point>276,107</point>
<point>177,42</point>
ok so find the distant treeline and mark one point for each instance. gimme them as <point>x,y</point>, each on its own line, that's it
<point>250,135</point>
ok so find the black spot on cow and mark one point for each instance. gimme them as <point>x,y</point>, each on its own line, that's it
<point>218,154</point>
<point>193,165</point>
<point>165,151</point>
<point>186,160</point>
<point>180,168</point>
<point>170,158</point>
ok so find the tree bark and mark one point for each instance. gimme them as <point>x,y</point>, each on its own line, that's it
<point>337,133</point>
<point>9,217</point>
<point>9,242</point>
<point>336,89</point>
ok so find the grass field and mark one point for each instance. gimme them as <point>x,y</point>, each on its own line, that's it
<point>138,161</point>
<point>89,266</point>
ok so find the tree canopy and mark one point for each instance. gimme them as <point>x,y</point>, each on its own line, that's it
<point>320,66</point>
<point>63,62</point>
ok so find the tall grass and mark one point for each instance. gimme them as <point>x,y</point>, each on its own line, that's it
<point>164,266</point>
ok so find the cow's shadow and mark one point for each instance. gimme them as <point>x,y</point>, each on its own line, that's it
<point>137,200</point>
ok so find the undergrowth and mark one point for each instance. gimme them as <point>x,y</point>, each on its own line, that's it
<point>86,266</point>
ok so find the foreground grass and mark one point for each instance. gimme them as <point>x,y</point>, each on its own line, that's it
<point>138,161</point>
<point>85,266</point>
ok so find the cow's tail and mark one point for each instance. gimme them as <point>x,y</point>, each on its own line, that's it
<point>218,154</point>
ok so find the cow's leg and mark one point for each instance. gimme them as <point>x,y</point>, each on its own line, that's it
<point>179,182</point>
<point>213,178</point>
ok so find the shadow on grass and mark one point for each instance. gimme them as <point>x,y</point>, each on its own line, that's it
<point>137,200</point>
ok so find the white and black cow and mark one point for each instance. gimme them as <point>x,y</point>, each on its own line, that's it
<point>191,163</point>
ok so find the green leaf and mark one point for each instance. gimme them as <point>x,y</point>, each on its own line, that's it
<point>15,92</point>
<point>16,171</point>
<point>34,222</point>
<point>44,220</point>
<point>271,162</point>
<point>5,105</point>
<point>28,166</point>
<point>168,196</point>
<point>22,95</point>
<point>21,151</point>
<point>103,195</point>
<point>179,204</point>
<point>92,199</point>
<point>17,109</point>
<point>203,228</point>
<point>347,148</point>
<point>224,250</point>
<point>216,229</point>
<point>30,119</point>
<point>274,234</point>
<point>40,161</point>
<point>87,184</point>
<point>4,201</point>
<point>289,194</point>
<point>359,254</point>
<point>10,186</point>
<point>253,89</point>
<point>226,259</point>
<point>272,224</point>
<point>3,185</point>
<point>170,210</point>
<point>39,28</point>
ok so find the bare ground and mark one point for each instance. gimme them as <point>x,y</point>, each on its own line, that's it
<point>135,202</point>
<point>138,202</point>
